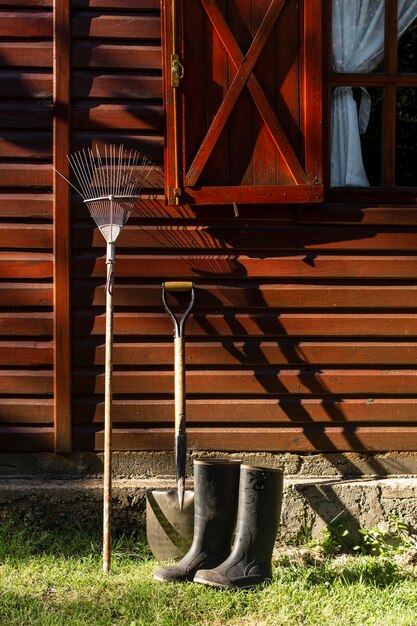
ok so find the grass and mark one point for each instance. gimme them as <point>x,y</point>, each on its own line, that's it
<point>53,577</point>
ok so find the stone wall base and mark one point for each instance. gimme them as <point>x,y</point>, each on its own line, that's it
<point>360,491</point>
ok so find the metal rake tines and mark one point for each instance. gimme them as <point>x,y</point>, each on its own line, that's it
<point>110,184</point>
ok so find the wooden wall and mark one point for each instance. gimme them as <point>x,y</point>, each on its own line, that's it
<point>304,335</point>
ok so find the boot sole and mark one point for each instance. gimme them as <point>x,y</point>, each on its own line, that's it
<point>162,579</point>
<point>210,583</point>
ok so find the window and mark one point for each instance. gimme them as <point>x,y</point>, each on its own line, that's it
<point>372,98</point>
<point>243,99</point>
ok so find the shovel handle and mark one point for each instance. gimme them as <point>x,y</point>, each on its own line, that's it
<point>179,375</point>
<point>180,423</point>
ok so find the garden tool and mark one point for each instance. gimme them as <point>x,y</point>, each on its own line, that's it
<point>249,563</point>
<point>110,186</point>
<point>170,514</point>
<point>179,382</point>
<point>169,530</point>
<point>216,487</point>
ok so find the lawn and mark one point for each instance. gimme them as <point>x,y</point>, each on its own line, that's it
<point>52,577</point>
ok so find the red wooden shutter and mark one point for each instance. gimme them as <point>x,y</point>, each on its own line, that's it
<point>243,101</point>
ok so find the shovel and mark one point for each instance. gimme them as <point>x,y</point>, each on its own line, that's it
<point>170,514</point>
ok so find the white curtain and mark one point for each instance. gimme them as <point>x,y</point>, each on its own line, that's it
<point>357,46</point>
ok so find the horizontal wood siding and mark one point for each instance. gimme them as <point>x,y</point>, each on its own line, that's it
<point>304,333</point>
<point>26,259</point>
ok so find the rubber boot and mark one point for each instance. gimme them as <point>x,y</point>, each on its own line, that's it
<point>249,564</point>
<point>216,488</point>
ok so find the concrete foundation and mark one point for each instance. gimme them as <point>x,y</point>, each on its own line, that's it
<point>362,491</point>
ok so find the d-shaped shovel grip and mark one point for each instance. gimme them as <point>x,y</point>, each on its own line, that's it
<point>178,286</point>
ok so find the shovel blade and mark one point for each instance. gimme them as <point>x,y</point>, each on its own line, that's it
<point>169,529</point>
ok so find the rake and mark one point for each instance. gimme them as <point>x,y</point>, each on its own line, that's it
<point>109,185</point>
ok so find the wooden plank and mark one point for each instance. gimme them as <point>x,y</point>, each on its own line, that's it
<point>270,214</point>
<point>264,381</point>
<point>169,101</point>
<point>26,439</point>
<point>33,145</point>
<point>24,175</point>
<point>27,382</point>
<point>369,195</point>
<point>240,267</point>
<point>216,78</point>
<point>150,145</point>
<point>25,265</point>
<point>25,24</point>
<point>264,152</point>
<point>25,206</point>
<point>62,228</point>
<point>241,143</point>
<point>152,206</point>
<point>30,236</point>
<point>140,5</point>
<point>372,80</point>
<point>91,114</point>
<point>86,85</point>
<point>30,115</point>
<point>287,75</point>
<point>194,32</point>
<point>147,205</point>
<point>396,215</point>
<point>312,81</point>
<point>234,324</point>
<point>259,296</point>
<point>25,294</point>
<point>129,86</point>
<point>227,352</point>
<point>298,439</point>
<point>25,4</point>
<point>90,54</point>
<point>254,194</point>
<point>282,410</point>
<point>317,216</point>
<point>26,53</point>
<point>123,26</point>
<point>26,411</point>
<point>245,237</point>
<point>21,324</point>
<point>26,353</point>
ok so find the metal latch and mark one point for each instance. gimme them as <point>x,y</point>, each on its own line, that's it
<point>177,70</point>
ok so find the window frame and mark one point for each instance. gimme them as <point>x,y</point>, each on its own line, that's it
<point>388,80</point>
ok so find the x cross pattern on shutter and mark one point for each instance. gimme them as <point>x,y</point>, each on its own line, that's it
<point>245,77</point>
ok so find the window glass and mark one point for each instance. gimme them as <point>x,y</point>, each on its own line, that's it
<point>407,50</point>
<point>356,137</point>
<point>358,36</point>
<point>371,137</point>
<point>406,139</point>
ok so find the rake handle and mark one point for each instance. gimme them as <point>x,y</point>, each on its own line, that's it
<point>108,395</point>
